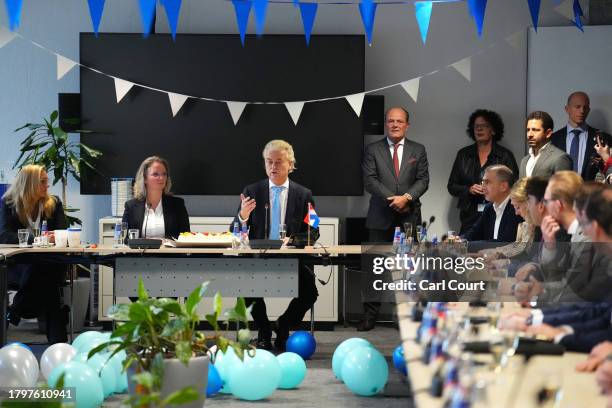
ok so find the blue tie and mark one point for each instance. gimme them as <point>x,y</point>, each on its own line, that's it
<point>275,218</point>
<point>574,148</point>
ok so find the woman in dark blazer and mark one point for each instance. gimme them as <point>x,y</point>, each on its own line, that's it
<point>26,205</point>
<point>154,211</point>
<point>486,128</point>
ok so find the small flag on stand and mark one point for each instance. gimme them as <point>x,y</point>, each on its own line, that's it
<point>312,219</point>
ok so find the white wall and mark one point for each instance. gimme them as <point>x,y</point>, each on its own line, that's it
<point>28,87</point>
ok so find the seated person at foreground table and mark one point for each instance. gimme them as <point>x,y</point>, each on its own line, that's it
<point>154,211</point>
<point>26,205</point>
<point>264,206</point>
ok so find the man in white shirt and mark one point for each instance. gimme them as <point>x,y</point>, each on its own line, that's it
<point>543,159</point>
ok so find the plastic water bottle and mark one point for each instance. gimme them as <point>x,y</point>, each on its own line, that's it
<point>117,242</point>
<point>244,236</point>
<point>44,234</point>
<point>236,234</point>
<point>397,238</point>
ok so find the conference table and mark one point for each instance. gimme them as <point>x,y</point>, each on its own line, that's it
<point>169,271</point>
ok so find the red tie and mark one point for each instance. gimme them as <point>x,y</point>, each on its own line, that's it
<point>396,159</point>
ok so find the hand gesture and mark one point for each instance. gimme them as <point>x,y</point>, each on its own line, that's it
<point>247,205</point>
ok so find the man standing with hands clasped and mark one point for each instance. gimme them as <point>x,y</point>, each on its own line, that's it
<point>395,173</point>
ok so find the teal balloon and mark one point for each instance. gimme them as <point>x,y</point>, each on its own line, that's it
<point>342,350</point>
<point>365,371</point>
<point>87,345</point>
<point>225,364</point>
<point>106,371</point>
<point>214,383</point>
<point>88,387</point>
<point>293,370</point>
<point>86,337</point>
<point>256,378</point>
<point>121,382</point>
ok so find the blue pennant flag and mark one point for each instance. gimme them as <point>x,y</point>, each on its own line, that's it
<point>147,15</point>
<point>173,10</point>
<point>479,13</point>
<point>296,3</point>
<point>96,8</point>
<point>534,9</point>
<point>471,7</point>
<point>422,10</point>
<point>577,14</point>
<point>243,9</point>
<point>367,9</point>
<point>13,9</point>
<point>261,7</point>
<point>308,11</point>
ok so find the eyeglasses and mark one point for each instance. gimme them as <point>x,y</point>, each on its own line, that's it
<point>158,175</point>
<point>482,126</point>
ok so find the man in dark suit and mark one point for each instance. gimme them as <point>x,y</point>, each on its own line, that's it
<point>498,221</point>
<point>578,139</point>
<point>395,173</point>
<point>544,159</point>
<point>265,205</point>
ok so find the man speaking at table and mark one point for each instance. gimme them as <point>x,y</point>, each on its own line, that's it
<point>395,173</point>
<point>265,205</point>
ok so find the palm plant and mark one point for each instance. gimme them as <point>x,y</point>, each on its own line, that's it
<point>47,144</point>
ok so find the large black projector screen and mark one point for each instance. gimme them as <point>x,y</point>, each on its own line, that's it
<point>208,154</point>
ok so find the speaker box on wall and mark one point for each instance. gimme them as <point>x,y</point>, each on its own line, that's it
<point>373,114</point>
<point>69,107</point>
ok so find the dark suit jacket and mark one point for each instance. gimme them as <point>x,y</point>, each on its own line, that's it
<point>176,219</point>
<point>380,181</point>
<point>568,313</point>
<point>588,171</point>
<point>484,228</point>
<point>298,198</point>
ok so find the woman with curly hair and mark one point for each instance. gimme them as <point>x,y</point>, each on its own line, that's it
<point>486,128</point>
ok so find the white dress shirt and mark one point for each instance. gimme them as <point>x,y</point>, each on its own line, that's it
<point>583,136</point>
<point>499,212</point>
<point>400,150</point>
<point>283,199</point>
<point>153,225</point>
<point>533,159</point>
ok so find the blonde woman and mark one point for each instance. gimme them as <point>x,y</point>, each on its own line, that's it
<point>26,205</point>
<point>525,230</point>
<point>154,211</point>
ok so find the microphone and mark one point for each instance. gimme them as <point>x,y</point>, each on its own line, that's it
<point>144,229</point>
<point>266,222</point>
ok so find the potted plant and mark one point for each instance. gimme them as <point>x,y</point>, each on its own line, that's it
<point>160,336</point>
<point>48,145</point>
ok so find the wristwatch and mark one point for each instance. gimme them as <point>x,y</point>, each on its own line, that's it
<point>408,196</point>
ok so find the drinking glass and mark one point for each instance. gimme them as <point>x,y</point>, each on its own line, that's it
<point>408,229</point>
<point>36,235</point>
<point>282,231</point>
<point>23,235</point>
<point>124,231</point>
<point>419,233</point>
<point>133,233</point>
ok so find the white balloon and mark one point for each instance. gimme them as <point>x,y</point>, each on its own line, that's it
<point>54,356</point>
<point>18,367</point>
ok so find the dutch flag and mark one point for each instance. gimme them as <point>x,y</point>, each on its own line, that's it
<point>311,218</point>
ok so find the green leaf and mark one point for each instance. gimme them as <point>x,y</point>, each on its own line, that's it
<point>212,320</point>
<point>244,337</point>
<point>173,307</point>
<point>241,309</point>
<point>183,351</point>
<point>53,116</point>
<point>144,378</point>
<point>182,396</point>
<point>193,300</point>
<point>119,312</point>
<point>142,292</point>
<point>139,313</point>
<point>174,326</point>
<point>218,303</point>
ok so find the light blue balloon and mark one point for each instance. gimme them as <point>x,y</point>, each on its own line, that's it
<point>87,345</point>
<point>256,378</point>
<point>88,387</point>
<point>225,364</point>
<point>105,371</point>
<point>342,350</point>
<point>293,370</point>
<point>214,383</point>
<point>86,337</point>
<point>121,382</point>
<point>365,371</point>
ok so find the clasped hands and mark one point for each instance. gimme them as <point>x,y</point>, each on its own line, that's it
<point>399,203</point>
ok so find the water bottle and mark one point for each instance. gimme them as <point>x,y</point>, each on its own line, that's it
<point>244,236</point>
<point>44,234</point>
<point>117,242</point>
<point>396,238</point>
<point>236,235</point>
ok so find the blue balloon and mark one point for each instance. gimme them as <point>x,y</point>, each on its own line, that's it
<point>88,387</point>
<point>293,370</point>
<point>86,337</point>
<point>302,343</point>
<point>225,364</point>
<point>365,371</point>
<point>256,378</point>
<point>214,381</point>
<point>106,371</point>
<point>16,343</point>
<point>398,360</point>
<point>342,350</point>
